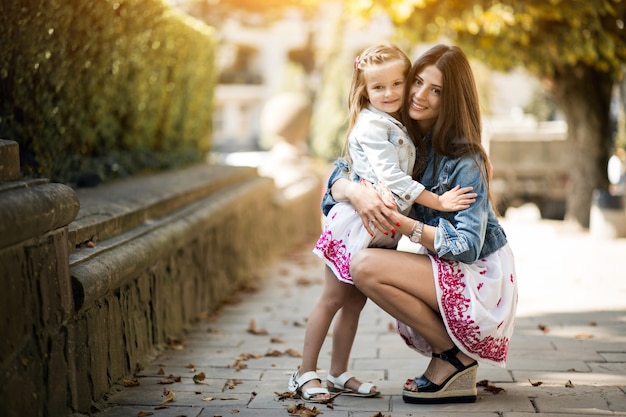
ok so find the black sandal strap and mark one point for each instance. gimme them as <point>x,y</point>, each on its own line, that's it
<point>450,356</point>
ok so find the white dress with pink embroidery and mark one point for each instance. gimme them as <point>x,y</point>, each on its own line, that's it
<point>380,150</point>
<point>477,306</point>
<point>343,235</point>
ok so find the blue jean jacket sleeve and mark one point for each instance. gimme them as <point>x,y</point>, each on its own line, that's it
<point>460,235</point>
<point>340,171</point>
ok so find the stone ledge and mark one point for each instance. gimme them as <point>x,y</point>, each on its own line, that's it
<point>113,208</point>
<point>111,263</point>
<point>31,209</point>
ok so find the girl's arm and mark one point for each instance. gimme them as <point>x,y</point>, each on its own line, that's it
<point>453,200</point>
<point>375,157</point>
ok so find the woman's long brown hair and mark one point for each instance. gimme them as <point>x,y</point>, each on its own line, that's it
<point>457,131</point>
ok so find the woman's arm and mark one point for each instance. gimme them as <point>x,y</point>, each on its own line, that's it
<point>374,210</point>
<point>407,225</point>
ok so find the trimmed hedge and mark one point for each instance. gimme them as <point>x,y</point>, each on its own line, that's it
<point>104,88</point>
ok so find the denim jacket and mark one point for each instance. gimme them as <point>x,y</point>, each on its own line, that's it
<point>381,150</point>
<point>464,236</point>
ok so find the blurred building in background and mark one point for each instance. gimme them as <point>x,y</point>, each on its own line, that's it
<point>262,55</point>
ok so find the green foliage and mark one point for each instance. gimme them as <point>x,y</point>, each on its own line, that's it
<point>544,36</point>
<point>84,81</point>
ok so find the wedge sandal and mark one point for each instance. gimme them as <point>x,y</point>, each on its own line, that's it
<point>460,387</point>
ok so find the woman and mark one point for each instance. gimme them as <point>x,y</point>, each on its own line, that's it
<point>454,300</point>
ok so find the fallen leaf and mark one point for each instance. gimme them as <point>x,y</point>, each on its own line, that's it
<point>490,387</point>
<point>277,340</point>
<point>593,323</point>
<point>199,378</point>
<point>232,383</point>
<point>252,329</point>
<point>274,352</point>
<point>287,395</point>
<point>234,411</point>
<point>238,365</point>
<point>543,328</point>
<point>208,399</point>
<point>535,384</point>
<point>175,343</point>
<point>169,396</point>
<point>130,382</point>
<point>229,398</point>
<point>190,366</point>
<point>569,384</point>
<point>161,371</point>
<point>302,410</point>
<point>293,353</point>
<point>304,282</point>
<point>391,327</point>
<point>584,336</point>
<point>144,413</point>
<point>246,356</point>
<point>169,380</point>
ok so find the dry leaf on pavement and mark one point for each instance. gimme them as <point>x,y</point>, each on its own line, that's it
<point>544,328</point>
<point>130,382</point>
<point>169,396</point>
<point>253,330</point>
<point>490,387</point>
<point>199,378</point>
<point>302,410</point>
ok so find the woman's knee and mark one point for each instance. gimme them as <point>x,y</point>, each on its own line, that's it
<point>362,268</point>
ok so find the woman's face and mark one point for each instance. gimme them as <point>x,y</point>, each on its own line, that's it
<point>425,97</point>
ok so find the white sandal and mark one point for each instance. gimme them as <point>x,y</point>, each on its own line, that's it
<point>339,385</point>
<point>296,382</point>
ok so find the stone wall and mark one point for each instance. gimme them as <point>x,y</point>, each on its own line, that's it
<point>91,294</point>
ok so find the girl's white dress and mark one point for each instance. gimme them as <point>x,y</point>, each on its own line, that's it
<point>381,150</point>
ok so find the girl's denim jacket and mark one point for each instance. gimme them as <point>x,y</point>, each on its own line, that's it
<point>464,236</point>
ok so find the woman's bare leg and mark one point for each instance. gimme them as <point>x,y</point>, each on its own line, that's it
<point>403,285</point>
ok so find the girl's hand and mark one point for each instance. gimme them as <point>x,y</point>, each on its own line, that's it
<point>457,199</point>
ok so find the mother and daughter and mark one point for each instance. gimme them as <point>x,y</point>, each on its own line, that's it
<point>414,137</point>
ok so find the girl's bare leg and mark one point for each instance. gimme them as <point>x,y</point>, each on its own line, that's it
<point>344,332</point>
<point>403,285</point>
<point>331,300</point>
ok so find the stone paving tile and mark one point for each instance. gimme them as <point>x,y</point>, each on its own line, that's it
<point>580,338</point>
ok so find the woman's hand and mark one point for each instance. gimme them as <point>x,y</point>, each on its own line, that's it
<point>376,210</point>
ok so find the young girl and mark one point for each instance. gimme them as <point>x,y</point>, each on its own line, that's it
<point>378,149</point>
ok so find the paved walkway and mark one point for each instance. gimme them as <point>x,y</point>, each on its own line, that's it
<point>567,357</point>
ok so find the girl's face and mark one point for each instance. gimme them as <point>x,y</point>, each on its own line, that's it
<point>425,97</point>
<point>384,87</point>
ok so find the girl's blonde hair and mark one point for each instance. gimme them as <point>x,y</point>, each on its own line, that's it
<point>380,54</point>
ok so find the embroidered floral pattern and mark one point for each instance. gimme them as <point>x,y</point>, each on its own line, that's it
<point>335,252</point>
<point>456,308</point>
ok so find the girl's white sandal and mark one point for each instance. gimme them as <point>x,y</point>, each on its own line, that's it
<point>339,385</point>
<point>296,382</point>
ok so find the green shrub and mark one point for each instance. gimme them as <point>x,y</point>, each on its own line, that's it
<point>106,87</point>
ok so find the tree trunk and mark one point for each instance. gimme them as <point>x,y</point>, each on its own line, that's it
<point>584,96</point>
